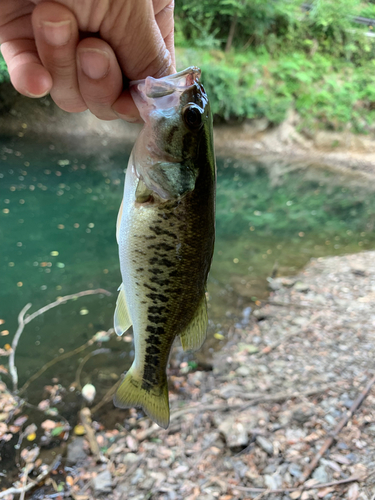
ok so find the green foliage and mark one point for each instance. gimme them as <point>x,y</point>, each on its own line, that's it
<point>4,75</point>
<point>327,93</point>
<point>278,26</point>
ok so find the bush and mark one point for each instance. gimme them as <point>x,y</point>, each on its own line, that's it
<point>326,92</point>
<point>4,75</point>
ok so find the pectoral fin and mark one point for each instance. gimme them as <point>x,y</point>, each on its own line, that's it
<point>195,334</point>
<point>142,193</point>
<point>122,321</point>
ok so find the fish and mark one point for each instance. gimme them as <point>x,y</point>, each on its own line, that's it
<point>165,234</point>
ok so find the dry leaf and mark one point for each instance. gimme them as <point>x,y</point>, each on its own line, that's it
<point>20,420</point>
<point>69,480</point>
<point>44,405</point>
<point>322,493</point>
<point>295,494</point>
<point>48,425</point>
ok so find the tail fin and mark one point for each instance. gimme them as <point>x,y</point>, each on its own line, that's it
<point>154,402</point>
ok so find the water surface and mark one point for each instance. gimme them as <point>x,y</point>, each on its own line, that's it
<point>58,209</point>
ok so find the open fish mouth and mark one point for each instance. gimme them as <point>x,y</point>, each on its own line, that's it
<point>154,88</point>
<point>166,91</point>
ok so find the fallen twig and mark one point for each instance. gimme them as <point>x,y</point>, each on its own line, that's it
<point>23,322</point>
<point>283,395</point>
<point>268,398</point>
<point>292,333</point>
<point>85,416</point>
<point>330,440</point>
<point>33,483</point>
<point>318,486</point>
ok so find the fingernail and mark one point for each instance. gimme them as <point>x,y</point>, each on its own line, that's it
<point>57,34</point>
<point>127,118</point>
<point>94,63</point>
<point>36,96</point>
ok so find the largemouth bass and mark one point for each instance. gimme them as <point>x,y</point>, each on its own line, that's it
<point>165,233</point>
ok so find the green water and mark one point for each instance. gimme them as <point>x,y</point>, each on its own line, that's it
<point>58,209</point>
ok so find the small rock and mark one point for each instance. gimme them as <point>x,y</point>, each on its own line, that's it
<point>302,413</point>
<point>76,452</point>
<point>270,482</point>
<point>103,482</point>
<point>234,432</point>
<point>359,271</point>
<point>274,285</point>
<point>331,420</point>
<point>147,484</point>
<point>295,470</point>
<point>130,458</point>
<point>138,476</point>
<point>243,371</point>
<point>228,391</point>
<point>300,320</point>
<point>270,469</point>
<point>320,474</point>
<point>301,287</point>
<point>265,444</point>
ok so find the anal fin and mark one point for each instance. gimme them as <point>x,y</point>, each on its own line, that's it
<point>195,334</point>
<point>122,321</point>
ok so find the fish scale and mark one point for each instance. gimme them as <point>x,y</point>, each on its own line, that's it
<point>166,236</point>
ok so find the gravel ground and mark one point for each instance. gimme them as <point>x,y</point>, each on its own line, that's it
<point>251,427</point>
<point>286,384</point>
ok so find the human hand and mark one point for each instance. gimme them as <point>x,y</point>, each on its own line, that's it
<point>83,53</point>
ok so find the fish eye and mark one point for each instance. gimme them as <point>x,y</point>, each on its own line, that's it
<point>192,116</point>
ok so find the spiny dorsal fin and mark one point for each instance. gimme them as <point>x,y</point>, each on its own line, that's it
<point>122,321</point>
<point>195,334</point>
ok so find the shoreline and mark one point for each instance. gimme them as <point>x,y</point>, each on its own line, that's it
<point>343,152</point>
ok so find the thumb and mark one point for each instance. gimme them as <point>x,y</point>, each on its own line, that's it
<point>136,39</point>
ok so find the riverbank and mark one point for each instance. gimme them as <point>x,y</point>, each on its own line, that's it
<point>344,152</point>
<point>278,389</point>
<point>253,425</point>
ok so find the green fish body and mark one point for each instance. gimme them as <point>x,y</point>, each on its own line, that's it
<point>165,232</point>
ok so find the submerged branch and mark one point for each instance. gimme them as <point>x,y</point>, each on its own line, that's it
<point>21,325</point>
<point>53,362</point>
<point>32,484</point>
<point>23,322</point>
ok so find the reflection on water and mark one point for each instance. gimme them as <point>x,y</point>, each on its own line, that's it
<point>58,208</point>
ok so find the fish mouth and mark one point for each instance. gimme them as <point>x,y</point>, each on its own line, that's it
<point>162,93</point>
<point>161,87</point>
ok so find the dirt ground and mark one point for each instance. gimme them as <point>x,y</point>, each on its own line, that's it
<point>293,378</point>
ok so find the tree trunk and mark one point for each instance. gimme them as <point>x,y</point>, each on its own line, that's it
<point>232,31</point>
